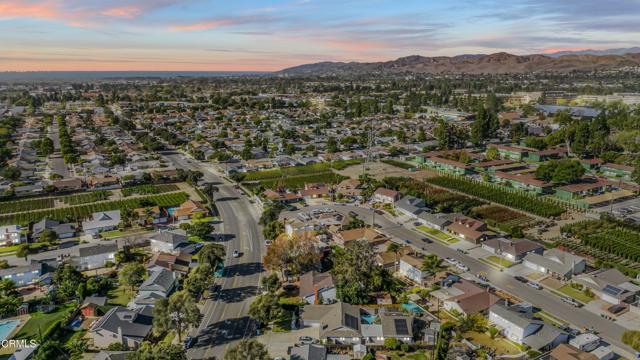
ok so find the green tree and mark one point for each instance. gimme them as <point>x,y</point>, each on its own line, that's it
<point>211,255</point>
<point>332,145</point>
<point>132,274</point>
<point>23,251</point>
<point>392,343</point>
<point>70,283</point>
<point>271,282</point>
<point>48,235</point>
<point>158,351</point>
<point>265,308</point>
<point>10,300</point>
<point>632,338</point>
<point>247,349</point>
<point>179,312</point>
<point>200,229</point>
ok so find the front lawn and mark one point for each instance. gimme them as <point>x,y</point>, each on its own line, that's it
<point>496,260</point>
<point>120,296</point>
<point>575,293</point>
<point>437,234</point>
<point>5,250</point>
<point>40,322</point>
<point>119,233</point>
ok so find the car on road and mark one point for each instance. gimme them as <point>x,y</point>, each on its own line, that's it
<point>188,342</point>
<point>462,266</point>
<point>236,253</point>
<point>534,285</point>
<point>571,301</point>
<point>305,339</point>
<point>462,251</point>
<point>268,242</point>
<point>353,213</point>
<point>417,223</point>
<point>451,261</point>
<point>522,279</point>
<point>427,240</point>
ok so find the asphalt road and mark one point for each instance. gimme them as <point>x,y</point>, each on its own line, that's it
<point>225,318</point>
<point>580,318</point>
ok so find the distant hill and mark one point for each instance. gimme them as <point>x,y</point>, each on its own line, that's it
<point>619,51</point>
<point>472,64</point>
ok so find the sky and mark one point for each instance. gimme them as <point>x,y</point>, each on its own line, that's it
<point>239,35</point>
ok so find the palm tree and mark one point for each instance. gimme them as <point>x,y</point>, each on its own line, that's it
<point>211,189</point>
<point>432,264</point>
<point>394,248</point>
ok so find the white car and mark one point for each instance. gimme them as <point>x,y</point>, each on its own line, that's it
<point>236,253</point>
<point>268,242</point>
<point>451,261</point>
<point>535,285</point>
<point>462,267</point>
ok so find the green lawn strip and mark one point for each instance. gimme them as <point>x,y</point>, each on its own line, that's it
<point>120,296</point>
<point>119,233</point>
<point>9,249</point>
<point>203,220</point>
<point>399,164</point>
<point>40,322</point>
<point>574,293</point>
<point>553,319</point>
<point>499,261</point>
<point>490,263</point>
<point>437,235</point>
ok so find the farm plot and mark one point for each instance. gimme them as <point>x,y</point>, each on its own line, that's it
<point>25,205</point>
<point>149,189</point>
<point>87,197</point>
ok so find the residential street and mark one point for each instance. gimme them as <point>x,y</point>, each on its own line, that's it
<point>550,303</point>
<point>225,318</point>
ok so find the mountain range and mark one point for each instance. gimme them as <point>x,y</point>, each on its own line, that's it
<point>497,63</point>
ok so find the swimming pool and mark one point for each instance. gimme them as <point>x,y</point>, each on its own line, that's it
<point>412,307</point>
<point>369,319</point>
<point>6,327</point>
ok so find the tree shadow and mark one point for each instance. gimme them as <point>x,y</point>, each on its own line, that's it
<point>243,269</point>
<point>237,294</point>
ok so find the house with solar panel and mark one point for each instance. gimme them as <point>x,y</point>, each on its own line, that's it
<point>346,324</point>
<point>610,285</point>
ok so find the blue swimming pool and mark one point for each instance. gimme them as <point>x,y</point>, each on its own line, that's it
<point>369,319</point>
<point>412,307</point>
<point>6,327</point>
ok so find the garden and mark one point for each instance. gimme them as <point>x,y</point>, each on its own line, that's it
<point>149,189</point>
<point>323,167</point>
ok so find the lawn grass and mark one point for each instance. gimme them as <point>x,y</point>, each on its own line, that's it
<point>550,318</point>
<point>9,249</point>
<point>502,262</point>
<point>437,234</point>
<point>40,322</point>
<point>119,233</point>
<point>292,300</point>
<point>207,219</point>
<point>500,345</point>
<point>120,296</point>
<point>574,293</point>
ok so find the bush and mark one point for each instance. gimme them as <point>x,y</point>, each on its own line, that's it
<point>405,347</point>
<point>392,343</point>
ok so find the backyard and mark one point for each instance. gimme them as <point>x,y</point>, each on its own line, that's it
<point>39,322</point>
<point>500,345</point>
<point>120,296</point>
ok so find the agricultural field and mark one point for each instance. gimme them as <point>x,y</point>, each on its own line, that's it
<point>149,189</point>
<point>501,217</point>
<point>400,164</point>
<point>87,197</point>
<point>438,199</point>
<point>608,236</point>
<point>494,193</point>
<point>297,182</point>
<point>75,213</point>
<point>26,205</point>
<point>318,168</point>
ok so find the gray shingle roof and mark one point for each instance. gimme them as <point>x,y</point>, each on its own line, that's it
<point>134,324</point>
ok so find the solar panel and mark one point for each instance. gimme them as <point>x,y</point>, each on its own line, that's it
<point>351,321</point>
<point>612,290</point>
<point>401,326</point>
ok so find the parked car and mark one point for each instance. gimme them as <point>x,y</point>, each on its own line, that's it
<point>535,285</point>
<point>571,301</point>
<point>353,213</point>
<point>236,253</point>
<point>427,240</point>
<point>522,279</point>
<point>462,266</point>
<point>188,342</point>
<point>451,261</point>
<point>305,339</point>
<point>268,242</point>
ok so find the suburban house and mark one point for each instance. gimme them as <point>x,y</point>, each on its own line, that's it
<point>568,352</point>
<point>91,304</point>
<point>512,249</point>
<point>172,241</point>
<point>101,221</point>
<point>468,229</point>
<point>11,235</point>
<point>187,209</point>
<point>128,327</point>
<point>410,206</point>
<point>70,184</point>
<point>94,256</point>
<point>610,285</point>
<point>177,263</point>
<point>521,329</point>
<point>282,197</point>
<point>314,191</point>
<point>152,215</point>
<point>386,196</point>
<point>349,187</point>
<point>23,275</point>
<point>342,323</point>
<point>560,264</point>
<point>471,302</point>
<point>410,266</point>
<point>389,259</point>
<point>62,230</point>
<point>616,170</point>
<point>103,182</point>
<point>314,284</point>
<point>371,236</point>
<point>160,283</point>
<point>309,352</point>
<point>585,342</point>
<point>437,221</point>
